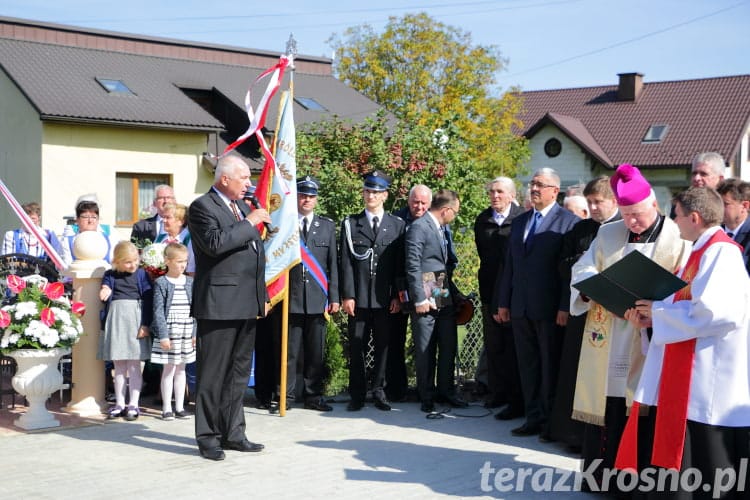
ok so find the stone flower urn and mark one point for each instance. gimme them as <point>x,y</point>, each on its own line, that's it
<point>36,378</point>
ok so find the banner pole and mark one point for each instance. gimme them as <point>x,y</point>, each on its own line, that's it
<point>284,346</point>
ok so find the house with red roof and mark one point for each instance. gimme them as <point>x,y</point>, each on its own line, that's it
<point>657,126</point>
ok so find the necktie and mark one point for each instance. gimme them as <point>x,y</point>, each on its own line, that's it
<point>375,225</point>
<point>532,229</point>
<point>304,229</point>
<point>730,234</point>
<point>235,210</point>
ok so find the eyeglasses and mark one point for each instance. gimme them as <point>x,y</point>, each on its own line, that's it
<point>540,185</point>
<point>89,217</point>
<point>164,198</point>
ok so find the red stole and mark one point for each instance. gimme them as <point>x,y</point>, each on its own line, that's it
<point>674,389</point>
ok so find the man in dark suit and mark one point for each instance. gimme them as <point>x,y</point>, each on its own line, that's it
<point>310,297</point>
<point>150,228</point>
<point>431,291</point>
<point>491,232</point>
<point>736,196</point>
<point>371,263</point>
<point>229,294</point>
<point>396,379</point>
<point>532,296</point>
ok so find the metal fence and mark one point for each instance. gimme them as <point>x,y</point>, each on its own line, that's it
<point>469,348</point>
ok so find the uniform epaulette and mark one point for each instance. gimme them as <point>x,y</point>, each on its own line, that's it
<point>325,218</point>
<point>397,217</point>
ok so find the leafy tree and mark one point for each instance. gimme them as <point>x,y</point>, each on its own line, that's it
<point>338,153</point>
<point>430,74</point>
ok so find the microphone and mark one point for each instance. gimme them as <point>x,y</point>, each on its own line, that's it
<point>250,196</point>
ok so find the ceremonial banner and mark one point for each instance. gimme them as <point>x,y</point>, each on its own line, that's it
<point>277,191</point>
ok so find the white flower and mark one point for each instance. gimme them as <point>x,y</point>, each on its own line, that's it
<point>61,315</point>
<point>24,309</point>
<point>153,255</point>
<point>25,328</point>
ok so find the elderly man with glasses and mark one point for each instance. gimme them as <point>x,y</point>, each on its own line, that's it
<point>150,228</point>
<point>533,298</point>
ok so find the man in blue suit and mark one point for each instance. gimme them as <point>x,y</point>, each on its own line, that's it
<point>533,298</point>
<point>736,196</point>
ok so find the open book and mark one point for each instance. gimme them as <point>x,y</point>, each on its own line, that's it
<point>633,277</point>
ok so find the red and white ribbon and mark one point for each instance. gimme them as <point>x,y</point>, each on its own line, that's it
<point>32,228</point>
<point>258,121</point>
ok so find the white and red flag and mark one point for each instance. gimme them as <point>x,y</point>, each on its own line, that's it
<point>276,190</point>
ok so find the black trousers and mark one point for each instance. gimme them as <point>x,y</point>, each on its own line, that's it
<point>224,358</point>
<point>503,378</point>
<point>396,380</point>
<point>538,346</point>
<point>435,346</point>
<point>712,450</point>
<point>306,348</point>
<point>366,323</point>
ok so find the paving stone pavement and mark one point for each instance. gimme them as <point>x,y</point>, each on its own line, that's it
<point>340,454</point>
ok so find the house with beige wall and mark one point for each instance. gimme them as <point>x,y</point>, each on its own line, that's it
<point>91,111</point>
<point>657,126</point>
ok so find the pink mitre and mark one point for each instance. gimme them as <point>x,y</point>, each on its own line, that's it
<point>629,185</point>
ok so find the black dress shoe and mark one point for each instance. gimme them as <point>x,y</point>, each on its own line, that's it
<point>527,430</point>
<point>263,405</point>
<point>274,407</point>
<point>243,445</point>
<point>317,404</point>
<point>354,405</point>
<point>427,407</point>
<point>215,454</point>
<point>509,414</point>
<point>382,404</point>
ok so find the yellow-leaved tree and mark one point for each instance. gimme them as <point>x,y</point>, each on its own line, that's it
<point>430,74</point>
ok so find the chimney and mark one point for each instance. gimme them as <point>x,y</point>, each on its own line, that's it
<point>630,86</point>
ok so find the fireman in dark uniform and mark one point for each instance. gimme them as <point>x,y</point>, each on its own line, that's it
<point>311,297</point>
<point>371,263</point>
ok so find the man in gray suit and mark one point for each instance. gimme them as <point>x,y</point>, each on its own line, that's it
<point>533,298</point>
<point>428,279</point>
<point>229,293</point>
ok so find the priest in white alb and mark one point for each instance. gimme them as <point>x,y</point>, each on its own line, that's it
<point>696,377</point>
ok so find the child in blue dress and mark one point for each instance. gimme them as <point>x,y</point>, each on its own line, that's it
<point>126,291</point>
<point>173,329</point>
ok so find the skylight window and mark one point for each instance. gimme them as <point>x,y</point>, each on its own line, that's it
<point>655,134</point>
<point>115,86</point>
<point>310,103</point>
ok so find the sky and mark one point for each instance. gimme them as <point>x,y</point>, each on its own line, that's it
<point>547,43</point>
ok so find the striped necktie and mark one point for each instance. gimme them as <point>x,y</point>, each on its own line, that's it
<point>235,210</point>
